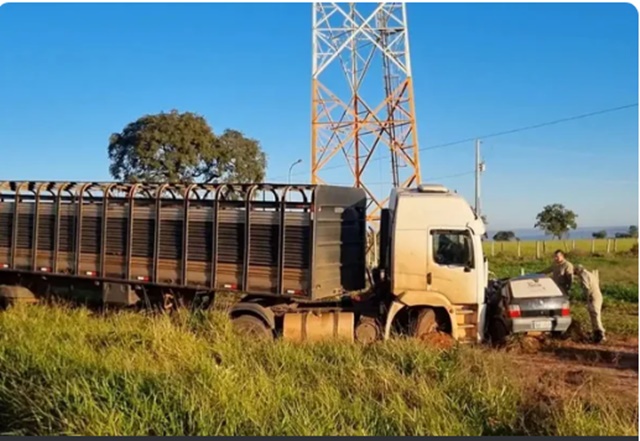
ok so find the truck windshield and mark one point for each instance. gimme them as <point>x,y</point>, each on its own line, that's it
<point>452,247</point>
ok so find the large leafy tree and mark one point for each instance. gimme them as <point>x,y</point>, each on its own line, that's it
<point>181,147</point>
<point>556,220</point>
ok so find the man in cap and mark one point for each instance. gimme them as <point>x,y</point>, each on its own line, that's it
<point>562,271</point>
<point>590,284</point>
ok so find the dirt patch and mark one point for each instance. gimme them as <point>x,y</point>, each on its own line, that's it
<point>524,344</point>
<point>438,340</point>
<point>584,354</point>
<point>575,377</point>
<point>553,369</point>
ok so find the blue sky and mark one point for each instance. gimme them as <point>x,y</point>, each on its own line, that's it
<point>72,74</point>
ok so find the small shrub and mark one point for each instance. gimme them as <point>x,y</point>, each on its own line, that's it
<point>625,293</point>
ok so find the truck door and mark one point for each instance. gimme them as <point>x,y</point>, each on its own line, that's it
<point>451,268</point>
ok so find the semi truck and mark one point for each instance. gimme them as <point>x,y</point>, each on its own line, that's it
<point>295,255</point>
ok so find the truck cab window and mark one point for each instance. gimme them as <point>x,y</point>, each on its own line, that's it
<point>452,247</point>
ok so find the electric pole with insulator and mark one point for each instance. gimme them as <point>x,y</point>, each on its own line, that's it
<point>480,168</point>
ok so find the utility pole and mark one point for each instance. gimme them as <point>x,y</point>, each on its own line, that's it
<point>480,167</point>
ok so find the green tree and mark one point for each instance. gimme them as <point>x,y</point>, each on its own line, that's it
<point>633,231</point>
<point>556,220</point>
<point>504,236</point>
<point>181,147</point>
<point>599,234</point>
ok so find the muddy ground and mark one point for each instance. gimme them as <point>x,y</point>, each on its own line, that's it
<point>575,366</point>
<point>572,365</point>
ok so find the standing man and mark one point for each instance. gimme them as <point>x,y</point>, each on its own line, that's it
<point>590,284</point>
<point>562,272</point>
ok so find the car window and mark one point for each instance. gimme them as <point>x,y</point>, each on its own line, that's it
<point>452,247</point>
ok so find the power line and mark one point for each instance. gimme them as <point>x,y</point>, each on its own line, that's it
<point>504,132</point>
<point>531,127</point>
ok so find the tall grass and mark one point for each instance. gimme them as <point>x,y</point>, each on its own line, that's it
<point>66,371</point>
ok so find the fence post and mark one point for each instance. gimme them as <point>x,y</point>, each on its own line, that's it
<point>608,246</point>
<point>573,245</point>
<point>615,245</point>
<point>544,247</point>
<point>519,249</point>
<point>537,249</point>
<point>493,248</point>
<point>593,246</point>
<point>502,247</point>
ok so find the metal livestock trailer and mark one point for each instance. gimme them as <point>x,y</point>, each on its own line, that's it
<point>304,242</point>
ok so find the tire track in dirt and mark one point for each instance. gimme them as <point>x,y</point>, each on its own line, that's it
<point>578,368</point>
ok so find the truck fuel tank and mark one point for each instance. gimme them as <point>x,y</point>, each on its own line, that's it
<point>316,326</point>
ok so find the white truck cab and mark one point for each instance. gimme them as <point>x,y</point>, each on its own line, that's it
<point>435,259</point>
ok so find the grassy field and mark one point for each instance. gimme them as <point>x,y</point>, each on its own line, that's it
<point>70,372</point>
<point>66,372</point>
<point>580,246</point>
<point>620,270</point>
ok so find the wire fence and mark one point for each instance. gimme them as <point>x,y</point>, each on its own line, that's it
<point>539,248</point>
<point>534,249</point>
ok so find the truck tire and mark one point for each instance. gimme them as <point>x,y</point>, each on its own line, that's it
<point>252,327</point>
<point>367,331</point>
<point>426,323</point>
<point>10,295</point>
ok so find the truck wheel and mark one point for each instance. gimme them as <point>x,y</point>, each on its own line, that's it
<point>426,323</point>
<point>367,331</point>
<point>10,295</point>
<point>250,326</point>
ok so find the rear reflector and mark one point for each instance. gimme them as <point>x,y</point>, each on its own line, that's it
<point>4,265</point>
<point>143,278</point>
<point>514,311</point>
<point>566,310</point>
<point>45,269</point>
<point>229,286</point>
<point>91,273</point>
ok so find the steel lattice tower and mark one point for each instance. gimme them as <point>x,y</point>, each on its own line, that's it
<point>363,97</point>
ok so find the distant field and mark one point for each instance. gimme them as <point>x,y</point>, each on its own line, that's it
<point>621,269</point>
<point>528,247</point>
